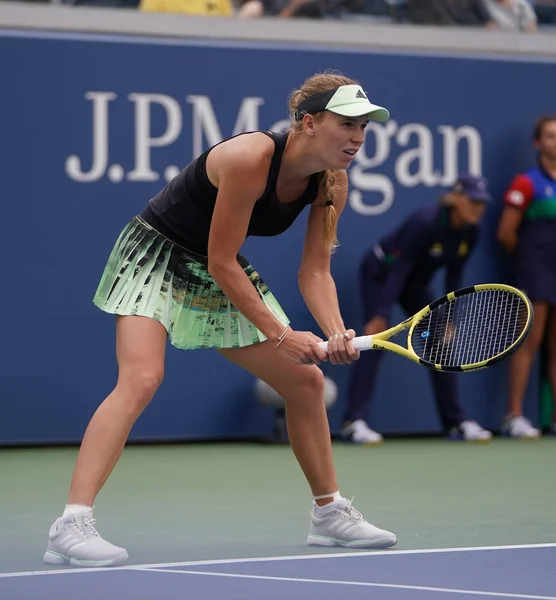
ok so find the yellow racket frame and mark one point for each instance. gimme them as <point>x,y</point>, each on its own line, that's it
<point>380,341</point>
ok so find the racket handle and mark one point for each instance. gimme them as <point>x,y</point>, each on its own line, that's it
<point>361,342</point>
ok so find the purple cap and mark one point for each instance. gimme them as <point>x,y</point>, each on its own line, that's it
<point>473,186</point>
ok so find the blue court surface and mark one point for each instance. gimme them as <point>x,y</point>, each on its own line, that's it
<point>525,571</point>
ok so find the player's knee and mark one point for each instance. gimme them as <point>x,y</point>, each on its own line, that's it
<point>148,380</point>
<point>139,384</point>
<point>309,386</point>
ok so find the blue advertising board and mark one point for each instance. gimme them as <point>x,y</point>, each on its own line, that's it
<point>93,126</point>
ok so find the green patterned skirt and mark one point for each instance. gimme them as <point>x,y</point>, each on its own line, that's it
<point>150,276</point>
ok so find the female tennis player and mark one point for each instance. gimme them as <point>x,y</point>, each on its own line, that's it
<point>175,273</point>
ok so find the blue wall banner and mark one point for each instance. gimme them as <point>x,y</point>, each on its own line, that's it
<point>93,126</point>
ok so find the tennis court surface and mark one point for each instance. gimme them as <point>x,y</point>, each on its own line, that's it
<point>229,521</point>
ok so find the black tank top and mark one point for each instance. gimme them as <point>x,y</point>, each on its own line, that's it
<point>182,210</point>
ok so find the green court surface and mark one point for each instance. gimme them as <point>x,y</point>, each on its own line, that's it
<point>170,503</point>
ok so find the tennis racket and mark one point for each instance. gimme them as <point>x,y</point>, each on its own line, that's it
<point>466,330</point>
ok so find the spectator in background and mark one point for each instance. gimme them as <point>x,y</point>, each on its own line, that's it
<point>516,15</point>
<point>449,12</point>
<point>399,269</point>
<point>527,230</point>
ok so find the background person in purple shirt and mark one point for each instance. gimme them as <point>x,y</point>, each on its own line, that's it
<point>399,270</point>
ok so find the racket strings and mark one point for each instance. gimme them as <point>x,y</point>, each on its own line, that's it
<point>471,328</point>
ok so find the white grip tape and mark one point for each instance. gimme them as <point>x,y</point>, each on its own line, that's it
<point>362,342</point>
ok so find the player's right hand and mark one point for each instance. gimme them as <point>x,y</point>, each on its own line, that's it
<point>302,347</point>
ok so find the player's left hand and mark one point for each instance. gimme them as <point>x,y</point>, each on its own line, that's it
<point>340,348</point>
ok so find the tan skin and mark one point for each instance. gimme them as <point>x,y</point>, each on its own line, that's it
<point>463,211</point>
<point>239,168</point>
<point>544,322</point>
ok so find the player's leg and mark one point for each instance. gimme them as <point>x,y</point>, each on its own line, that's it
<point>520,364</point>
<point>140,349</point>
<point>302,388</point>
<point>444,385</point>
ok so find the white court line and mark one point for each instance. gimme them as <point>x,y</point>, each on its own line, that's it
<point>420,588</point>
<point>227,561</point>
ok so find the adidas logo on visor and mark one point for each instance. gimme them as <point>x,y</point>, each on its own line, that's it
<point>360,94</point>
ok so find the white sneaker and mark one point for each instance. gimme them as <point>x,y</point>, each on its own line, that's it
<point>74,540</point>
<point>359,432</point>
<point>470,431</point>
<point>342,525</point>
<point>520,427</point>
